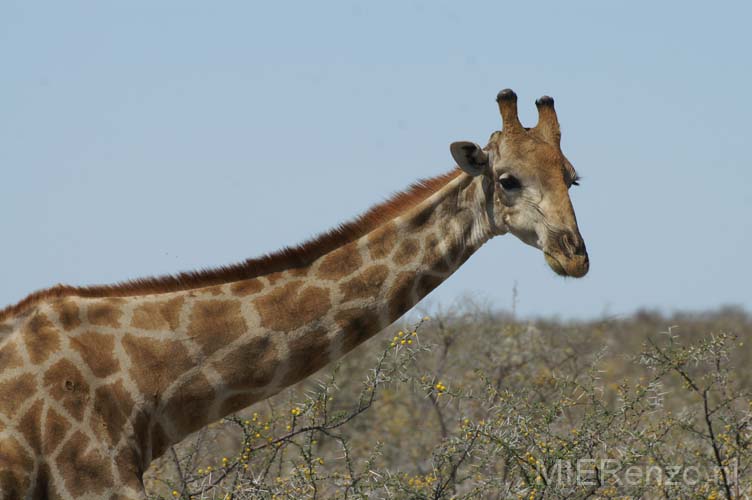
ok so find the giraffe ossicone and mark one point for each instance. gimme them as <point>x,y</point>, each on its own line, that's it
<point>96,382</point>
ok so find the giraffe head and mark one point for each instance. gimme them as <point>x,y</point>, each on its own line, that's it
<point>526,181</point>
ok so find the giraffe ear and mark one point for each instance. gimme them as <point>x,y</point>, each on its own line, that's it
<point>470,157</point>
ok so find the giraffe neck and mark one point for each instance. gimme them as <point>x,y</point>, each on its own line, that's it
<point>115,380</point>
<point>282,327</point>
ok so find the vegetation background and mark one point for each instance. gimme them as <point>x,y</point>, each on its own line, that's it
<point>472,403</point>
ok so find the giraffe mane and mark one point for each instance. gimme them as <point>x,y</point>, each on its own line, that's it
<point>289,257</point>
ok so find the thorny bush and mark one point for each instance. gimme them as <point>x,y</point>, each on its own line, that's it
<point>474,404</point>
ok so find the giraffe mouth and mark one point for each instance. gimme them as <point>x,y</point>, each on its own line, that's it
<point>574,268</point>
<point>554,264</point>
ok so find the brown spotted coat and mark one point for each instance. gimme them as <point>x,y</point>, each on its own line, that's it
<point>96,382</point>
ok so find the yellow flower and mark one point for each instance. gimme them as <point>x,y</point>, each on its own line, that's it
<point>175,493</point>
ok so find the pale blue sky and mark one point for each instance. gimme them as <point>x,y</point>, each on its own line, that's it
<point>142,138</point>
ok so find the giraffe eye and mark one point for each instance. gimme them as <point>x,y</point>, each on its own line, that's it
<point>509,182</point>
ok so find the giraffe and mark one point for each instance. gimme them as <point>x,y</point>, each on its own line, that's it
<point>96,382</point>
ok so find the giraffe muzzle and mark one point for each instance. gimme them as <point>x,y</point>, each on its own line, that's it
<point>576,267</point>
<point>569,256</point>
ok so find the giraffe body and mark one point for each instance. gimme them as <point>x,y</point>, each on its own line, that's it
<point>95,383</point>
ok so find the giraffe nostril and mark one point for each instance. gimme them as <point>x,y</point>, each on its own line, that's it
<point>572,245</point>
<point>566,244</point>
<point>580,248</point>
